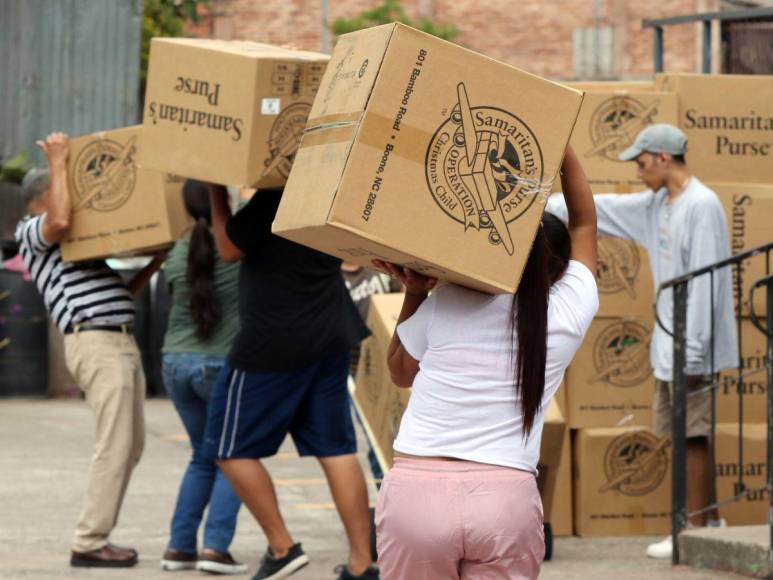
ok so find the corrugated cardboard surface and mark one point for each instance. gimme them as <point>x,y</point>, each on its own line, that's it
<point>729,124</point>
<point>560,516</point>
<point>380,400</point>
<point>227,112</point>
<point>753,384</point>
<point>624,279</point>
<point>553,433</point>
<point>429,177</point>
<point>613,86</point>
<point>610,381</point>
<point>751,509</point>
<point>622,483</point>
<point>749,213</point>
<point>119,208</point>
<point>607,125</point>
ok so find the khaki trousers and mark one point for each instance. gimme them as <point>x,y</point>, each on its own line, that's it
<point>108,368</point>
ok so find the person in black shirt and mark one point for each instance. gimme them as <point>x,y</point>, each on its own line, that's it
<point>287,373</point>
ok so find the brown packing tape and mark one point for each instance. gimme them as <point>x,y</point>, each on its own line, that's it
<point>318,123</point>
<point>329,135</point>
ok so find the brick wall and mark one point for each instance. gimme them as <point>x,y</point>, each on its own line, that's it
<point>536,35</point>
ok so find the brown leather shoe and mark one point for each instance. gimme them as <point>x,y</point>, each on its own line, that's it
<point>109,556</point>
<point>174,560</point>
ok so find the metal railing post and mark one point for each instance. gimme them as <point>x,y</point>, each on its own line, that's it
<point>769,363</point>
<point>679,423</point>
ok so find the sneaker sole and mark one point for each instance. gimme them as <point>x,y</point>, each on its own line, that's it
<point>223,569</point>
<point>176,566</point>
<point>290,569</point>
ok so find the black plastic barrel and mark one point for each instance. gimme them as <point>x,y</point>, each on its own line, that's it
<point>23,338</point>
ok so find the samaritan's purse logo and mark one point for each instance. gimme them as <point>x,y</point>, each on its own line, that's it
<point>618,266</point>
<point>285,137</point>
<point>621,354</point>
<point>484,168</point>
<point>615,124</point>
<point>635,463</point>
<point>104,175</point>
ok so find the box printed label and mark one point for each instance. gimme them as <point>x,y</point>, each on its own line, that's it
<point>484,168</point>
<point>104,175</point>
<point>615,124</point>
<point>284,138</point>
<point>621,354</point>
<point>618,266</point>
<point>635,463</point>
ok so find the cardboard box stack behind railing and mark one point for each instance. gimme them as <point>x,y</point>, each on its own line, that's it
<point>729,124</point>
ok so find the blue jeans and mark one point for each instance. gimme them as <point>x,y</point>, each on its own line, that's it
<point>189,378</point>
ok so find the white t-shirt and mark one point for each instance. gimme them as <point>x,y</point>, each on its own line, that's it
<point>464,402</point>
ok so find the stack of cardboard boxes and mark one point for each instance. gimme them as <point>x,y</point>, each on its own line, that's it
<point>620,483</point>
<point>728,120</point>
<point>621,471</point>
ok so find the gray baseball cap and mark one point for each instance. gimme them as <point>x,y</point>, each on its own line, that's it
<point>658,138</point>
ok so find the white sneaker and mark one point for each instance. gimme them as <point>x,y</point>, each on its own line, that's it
<point>720,523</point>
<point>661,550</point>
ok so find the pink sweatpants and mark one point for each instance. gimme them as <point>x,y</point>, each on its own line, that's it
<point>444,520</point>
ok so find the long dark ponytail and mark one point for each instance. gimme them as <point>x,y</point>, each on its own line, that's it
<point>201,260</point>
<point>529,313</point>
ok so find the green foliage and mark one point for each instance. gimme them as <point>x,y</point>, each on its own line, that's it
<point>165,18</point>
<point>14,169</point>
<point>393,11</point>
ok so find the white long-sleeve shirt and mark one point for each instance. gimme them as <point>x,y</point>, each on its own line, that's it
<point>680,236</point>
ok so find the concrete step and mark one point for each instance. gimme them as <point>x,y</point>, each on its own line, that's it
<point>741,549</point>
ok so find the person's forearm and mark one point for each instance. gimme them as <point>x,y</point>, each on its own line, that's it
<point>221,213</point>
<point>577,193</point>
<point>142,277</point>
<point>59,206</point>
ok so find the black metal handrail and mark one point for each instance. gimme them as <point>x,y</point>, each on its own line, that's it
<point>679,285</point>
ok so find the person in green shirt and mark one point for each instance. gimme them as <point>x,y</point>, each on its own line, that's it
<point>202,324</point>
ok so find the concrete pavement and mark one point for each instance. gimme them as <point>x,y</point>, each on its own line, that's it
<point>44,453</point>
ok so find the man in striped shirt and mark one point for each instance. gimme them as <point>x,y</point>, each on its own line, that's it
<point>94,309</point>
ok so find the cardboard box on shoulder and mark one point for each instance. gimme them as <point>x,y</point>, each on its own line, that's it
<point>751,509</point>
<point>381,402</point>
<point>610,381</point>
<point>728,120</point>
<point>749,212</point>
<point>622,483</point>
<point>229,112</point>
<point>753,383</point>
<point>624,279</point>
<point>421,152</point>
<point>607,125</point>
<point>118,208</point>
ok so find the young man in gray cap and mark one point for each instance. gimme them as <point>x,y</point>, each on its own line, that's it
<point>681,224</point>
<point>93,307</point>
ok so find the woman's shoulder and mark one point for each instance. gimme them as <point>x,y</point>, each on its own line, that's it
<point>575,297</point>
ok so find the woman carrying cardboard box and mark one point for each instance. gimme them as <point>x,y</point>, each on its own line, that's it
<point>461,501</point>
<point>202,324</point>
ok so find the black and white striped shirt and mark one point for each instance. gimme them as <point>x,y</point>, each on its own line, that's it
<point>73,292</point>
